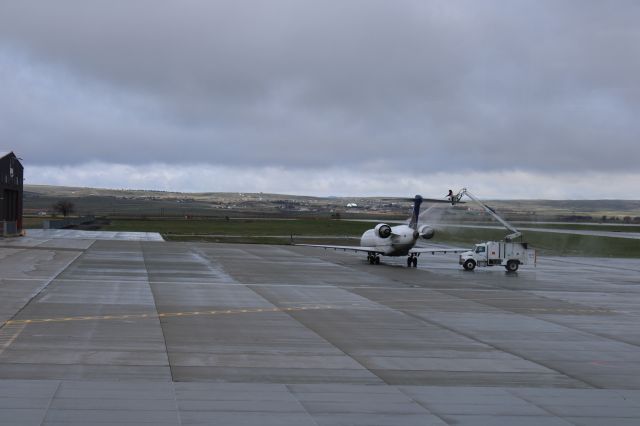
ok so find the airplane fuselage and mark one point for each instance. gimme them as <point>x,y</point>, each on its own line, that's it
<point>402,239</point>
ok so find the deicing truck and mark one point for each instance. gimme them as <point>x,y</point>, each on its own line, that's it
<point>491,253</point>
<point>508,253</point>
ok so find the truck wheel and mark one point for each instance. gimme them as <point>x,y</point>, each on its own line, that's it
<point>512,266</point>
<point>469,265</point>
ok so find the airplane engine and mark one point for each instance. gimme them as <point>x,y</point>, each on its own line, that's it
<point>383,230</point>
<point>426,232</point>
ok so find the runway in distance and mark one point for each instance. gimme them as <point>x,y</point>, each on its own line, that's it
<point>400,240</point>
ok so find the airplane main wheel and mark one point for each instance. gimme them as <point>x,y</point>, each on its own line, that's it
<point>376,260</point>
<point>409,262</point>
<point>414,262</point>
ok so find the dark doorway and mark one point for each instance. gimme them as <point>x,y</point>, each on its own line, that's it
<point>10,213</point>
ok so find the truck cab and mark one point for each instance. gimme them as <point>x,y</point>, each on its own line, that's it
<point>480,252</point>
<point>472,258</point>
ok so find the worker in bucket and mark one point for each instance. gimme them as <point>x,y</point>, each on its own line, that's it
<point>450,196</point>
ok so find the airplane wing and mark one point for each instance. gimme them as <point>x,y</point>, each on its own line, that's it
<point>345,248</point>
<point>437,250</point>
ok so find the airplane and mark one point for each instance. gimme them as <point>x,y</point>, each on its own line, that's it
<point>400,240</point>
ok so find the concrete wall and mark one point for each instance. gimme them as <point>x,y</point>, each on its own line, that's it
<point>9,229</point>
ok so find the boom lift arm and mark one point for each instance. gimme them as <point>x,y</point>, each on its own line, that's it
<point>514,232</point>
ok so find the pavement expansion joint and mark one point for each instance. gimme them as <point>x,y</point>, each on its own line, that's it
<point>9,333</point>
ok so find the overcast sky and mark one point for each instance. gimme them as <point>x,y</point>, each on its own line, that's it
<point>512,99</point>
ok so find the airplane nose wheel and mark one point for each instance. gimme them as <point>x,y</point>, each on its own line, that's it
<point>373,259</point>
<point>412,260</point>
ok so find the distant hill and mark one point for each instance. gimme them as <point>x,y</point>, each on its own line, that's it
<point>129,202</point>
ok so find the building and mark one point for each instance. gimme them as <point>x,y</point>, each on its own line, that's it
<point>11,179</point>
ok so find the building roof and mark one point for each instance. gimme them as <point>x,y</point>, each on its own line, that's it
<point>4,153</point>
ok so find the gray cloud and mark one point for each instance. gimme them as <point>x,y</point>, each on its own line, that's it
<point>545,86</point>
<point>336,181</point>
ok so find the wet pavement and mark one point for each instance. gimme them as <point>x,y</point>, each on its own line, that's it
<point>130,331</point>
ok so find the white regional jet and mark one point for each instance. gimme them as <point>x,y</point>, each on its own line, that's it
<point>397,240</point>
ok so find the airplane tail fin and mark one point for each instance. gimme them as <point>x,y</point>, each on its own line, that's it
<point>417,202</point>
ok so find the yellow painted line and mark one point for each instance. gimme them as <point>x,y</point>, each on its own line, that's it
<point>24,322</point>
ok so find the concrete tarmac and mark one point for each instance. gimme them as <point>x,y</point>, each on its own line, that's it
<point>126,331</point>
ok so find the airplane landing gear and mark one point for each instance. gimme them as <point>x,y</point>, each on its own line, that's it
<point>373,259</point>
<point>412,260</point>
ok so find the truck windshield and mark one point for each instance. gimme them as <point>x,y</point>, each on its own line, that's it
<point>480,249</point>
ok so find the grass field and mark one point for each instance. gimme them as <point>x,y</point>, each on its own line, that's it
<point>33,222</point>
<point>241,227</point>
<point>549,243</point>
<point>327,231</point>
<point>583,227</point>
